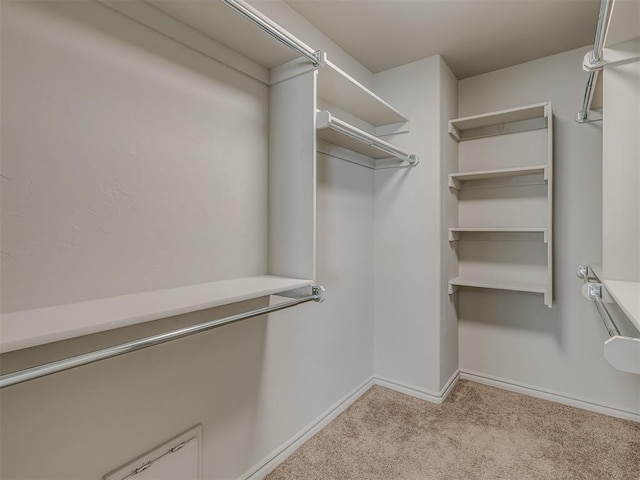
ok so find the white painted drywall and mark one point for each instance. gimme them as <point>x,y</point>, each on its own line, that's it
<point>121,149</point>
<point>252,385</point>
<point>513,336</point>
<point>409,237</point>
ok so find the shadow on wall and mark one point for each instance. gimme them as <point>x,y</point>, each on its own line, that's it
<point>100,19</point>
<point>518,310</point>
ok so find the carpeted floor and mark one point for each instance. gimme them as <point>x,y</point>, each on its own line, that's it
<point>479,432</point>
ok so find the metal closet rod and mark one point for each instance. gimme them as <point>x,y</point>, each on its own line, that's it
<point>273,29</point>
<point>20,376</point>
<point>594,292</point>
<point>326,120</point>
<point>606,7</point>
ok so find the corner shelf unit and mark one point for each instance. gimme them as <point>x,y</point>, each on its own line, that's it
<point>290,208</point>
<point>504,192</point>
<point>296,91</point>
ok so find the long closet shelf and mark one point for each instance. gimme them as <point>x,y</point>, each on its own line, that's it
<point>338,88</point>
<point>455,179</point>
<point>343,134</point>
<point>454,233</point>
<point>28,328</point>
<point>497,284</point>
<point>514,120</point>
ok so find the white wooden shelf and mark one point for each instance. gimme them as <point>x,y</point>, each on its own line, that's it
<point>456,179</point>
<point>497,284</point>
<point>341,133</point>
<point>338,88</point>
<point>454,233</point>
<point>514,120</point>
<point>627,296</point>
<point>29,328</point>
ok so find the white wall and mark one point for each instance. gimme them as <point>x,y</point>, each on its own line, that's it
<point>513,336</point>
<point>121,150</point>
<point>409,238</point>
<point>253,384</point>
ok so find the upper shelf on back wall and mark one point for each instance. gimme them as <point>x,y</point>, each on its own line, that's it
<point>514,120</point>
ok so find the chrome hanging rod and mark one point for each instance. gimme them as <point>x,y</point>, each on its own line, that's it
<point>595,58</point>
<point>594,293</point>
<point>273,29</point>
<point>317,295</point>
<point>324,119</point>
<point>621,351</point>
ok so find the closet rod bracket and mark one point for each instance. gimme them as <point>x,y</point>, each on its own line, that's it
<point>318,292</point>
<point>594,291</point>
<point>321,59</point>
<point>582,271</point>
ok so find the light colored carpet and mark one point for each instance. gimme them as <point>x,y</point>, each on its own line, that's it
<point>479,432</point>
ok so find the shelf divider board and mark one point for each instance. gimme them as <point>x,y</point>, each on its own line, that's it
<point>455,179</point>
<point>292,177</point>
<point>496,284</point>
<point>530,117</point>
<point>338,88</point>
<point>29,328</point>
<point>455,233</point>
<point>548,296</point>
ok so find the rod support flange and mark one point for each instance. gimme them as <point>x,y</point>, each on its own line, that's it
<point>594,290</point>
<point>321,59</point>
<point>582,271</point>
<point>318,291</point>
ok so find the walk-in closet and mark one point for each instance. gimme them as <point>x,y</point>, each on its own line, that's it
<point>319,239</point>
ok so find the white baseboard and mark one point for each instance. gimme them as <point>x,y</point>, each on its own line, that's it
<point>419,392</point>
<point>271,461</point>
<point>557,397</point>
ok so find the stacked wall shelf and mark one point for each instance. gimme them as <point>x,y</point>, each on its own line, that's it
<point>504,189</point>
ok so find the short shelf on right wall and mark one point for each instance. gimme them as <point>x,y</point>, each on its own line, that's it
<point>504,191</point>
